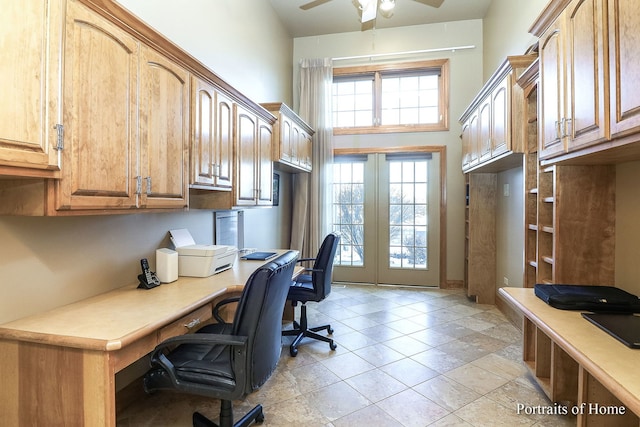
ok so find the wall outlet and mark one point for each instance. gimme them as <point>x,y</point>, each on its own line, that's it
<point>505,280</point>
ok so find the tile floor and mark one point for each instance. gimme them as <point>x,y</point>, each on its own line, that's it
<point>405,357</point>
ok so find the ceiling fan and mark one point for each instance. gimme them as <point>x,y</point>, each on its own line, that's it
<point>368,9</point>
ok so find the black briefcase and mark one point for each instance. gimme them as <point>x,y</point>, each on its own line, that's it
<point>603,299</point>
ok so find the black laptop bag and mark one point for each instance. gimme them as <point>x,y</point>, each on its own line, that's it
<point>603,299</point>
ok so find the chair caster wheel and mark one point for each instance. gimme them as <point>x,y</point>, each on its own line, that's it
<point>293,352</point>
<point>260,418</point>
<point>330,330</point>
<point>332,345</point>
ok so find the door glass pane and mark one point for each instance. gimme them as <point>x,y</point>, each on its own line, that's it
<point>348,212</point>
<point>408,214</point>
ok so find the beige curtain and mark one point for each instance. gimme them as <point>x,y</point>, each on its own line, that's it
<point>311,220</point>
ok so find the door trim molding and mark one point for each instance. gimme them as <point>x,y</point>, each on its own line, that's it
<point>442,151</point>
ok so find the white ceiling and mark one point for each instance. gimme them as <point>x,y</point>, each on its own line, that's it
<point>339,16</point>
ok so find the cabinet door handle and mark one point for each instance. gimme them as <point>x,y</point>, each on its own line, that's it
<point>567,127</point>
<point>192,324</point>
<point>148,185</point>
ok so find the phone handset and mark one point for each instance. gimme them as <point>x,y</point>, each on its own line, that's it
<point>148,278</point>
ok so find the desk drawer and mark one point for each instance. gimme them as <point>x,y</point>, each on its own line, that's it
<point>189,323</point>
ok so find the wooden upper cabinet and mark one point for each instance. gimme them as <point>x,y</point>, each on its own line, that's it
<point>212,140</point>
<point>293,139</point>
<point>164,132</point>
<point>574,104</point>
<point>99,159</point>
<point>488,133</point>
<point>30,31</point>
<point>624,88</point>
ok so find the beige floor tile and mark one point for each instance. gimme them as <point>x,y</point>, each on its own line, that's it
<point>405,357</point>
<point>412,409</point>
<point>477,379</point>
<point>446,392</point>
<point>337,400</point>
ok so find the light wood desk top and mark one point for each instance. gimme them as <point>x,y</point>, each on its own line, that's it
<point>612,363</point>
<point>112,320</point>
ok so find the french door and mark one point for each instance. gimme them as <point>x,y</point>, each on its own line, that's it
<point>386,206</point>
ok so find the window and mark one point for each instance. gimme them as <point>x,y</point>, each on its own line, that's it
<point>409,97</point>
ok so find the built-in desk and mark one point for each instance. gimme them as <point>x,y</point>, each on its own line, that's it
<point>58,367</point>
<point>579,366</point>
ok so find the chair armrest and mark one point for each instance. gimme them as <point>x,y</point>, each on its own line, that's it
<point>216,309</point>
<point>219,339</point>
<point>159,358</point>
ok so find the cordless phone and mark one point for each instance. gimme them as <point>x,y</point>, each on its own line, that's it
<point>148,278</point>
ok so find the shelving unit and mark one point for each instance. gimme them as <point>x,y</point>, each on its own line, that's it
<point>529,83</point>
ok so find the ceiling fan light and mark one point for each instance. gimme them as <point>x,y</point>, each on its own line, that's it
<point>387,5</point>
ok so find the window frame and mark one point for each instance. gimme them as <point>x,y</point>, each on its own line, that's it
<point>378,71</point>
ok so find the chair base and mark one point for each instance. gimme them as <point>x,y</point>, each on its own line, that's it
<point>301,330</point>
<point>226,417</point>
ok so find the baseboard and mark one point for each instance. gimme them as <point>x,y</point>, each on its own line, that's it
<point>453,284</point>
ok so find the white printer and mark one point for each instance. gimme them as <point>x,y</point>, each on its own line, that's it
<point>200,260</point>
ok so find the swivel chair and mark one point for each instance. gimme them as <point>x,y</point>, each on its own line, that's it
<point>313,287</point>
<point>229,361</point>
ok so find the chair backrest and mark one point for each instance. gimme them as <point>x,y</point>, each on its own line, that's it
<point>259,317</point>
<point>323,266</point>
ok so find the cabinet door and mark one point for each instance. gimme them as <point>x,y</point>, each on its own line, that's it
<point>624,40</point>
<point>164,132</point>
<point>29,75</point>
<point>287,138</point>
<point>500,113</point>
<point>224,142</point>
<point>587,112</point>
<point>484,130</point>
<point>305,152</point>
<point>100,114</point>
<point>203,146</point>
<point>466,145</point>
<point>246,131</point>
<point>551,96</point>
<point>265,164</point>
<point>212,144</point>
<point>474,143</point>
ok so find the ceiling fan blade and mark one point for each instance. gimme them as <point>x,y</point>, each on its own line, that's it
<point>432,3</point>
<point>313,4</point>
<point>369,10</point>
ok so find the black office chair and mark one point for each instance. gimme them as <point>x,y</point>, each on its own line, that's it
<point>229,361</point>
<point>313,287</point>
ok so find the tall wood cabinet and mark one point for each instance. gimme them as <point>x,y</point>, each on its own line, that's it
<point>31,34</point>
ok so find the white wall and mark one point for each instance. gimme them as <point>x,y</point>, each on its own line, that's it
<point>465,82</point>
<point>242,41</point>
<point>510,228</point>
<point>48,262</point>
<point>506,30</point>
<point>627,227</point>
